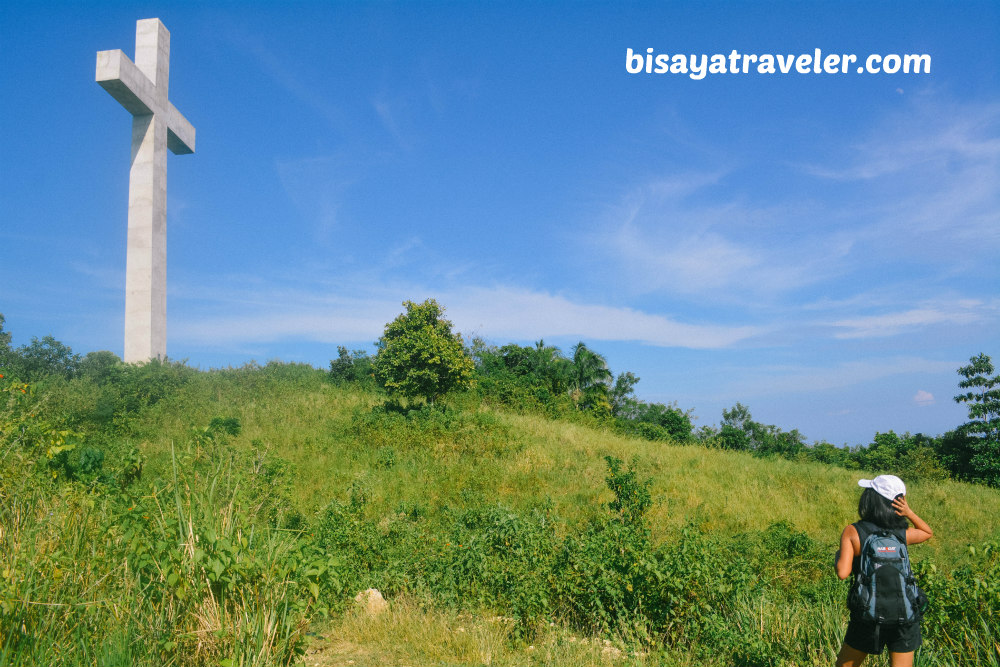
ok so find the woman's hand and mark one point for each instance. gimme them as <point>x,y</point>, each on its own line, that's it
<point>919,531</point>
<point>902,509</point>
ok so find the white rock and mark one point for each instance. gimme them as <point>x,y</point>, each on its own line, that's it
<point>372,601</point>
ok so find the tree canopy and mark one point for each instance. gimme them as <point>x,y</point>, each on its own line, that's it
<point>419,355</point>
<point>983,428</point>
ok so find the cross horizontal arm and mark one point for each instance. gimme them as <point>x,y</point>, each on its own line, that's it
<point>119,76</point>
<point>126,83</point>
<point>180,133</point>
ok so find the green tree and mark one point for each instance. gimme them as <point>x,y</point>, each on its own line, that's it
<point>549,364</point>
<point>5,351</point>
<point>740,432</point>
<point>622,394</point>
<point>419,355</point>
<point>655,421</point>
<point>983,427</point>
<point>351,366</point>
<point>590,381</point>
<point>38,360</point>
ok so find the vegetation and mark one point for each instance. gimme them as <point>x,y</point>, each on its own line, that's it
<point>982,432</point>
<point>420,356</point>
<point>156,514</point>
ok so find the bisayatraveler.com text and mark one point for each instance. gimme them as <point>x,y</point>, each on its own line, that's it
<point>698,66</point>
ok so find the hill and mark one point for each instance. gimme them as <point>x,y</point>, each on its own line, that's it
<point>165,515</point>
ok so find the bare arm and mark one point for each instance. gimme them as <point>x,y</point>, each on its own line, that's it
<point>845,556</point>
<point>919,531</point>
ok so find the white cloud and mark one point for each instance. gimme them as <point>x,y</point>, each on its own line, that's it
<point>797,379</point>
<point>923,398</point>
<point>676,236</point>
<point>519,313</point>
<point>929,178</point>
<point>890,324</point>
<point>497,313</point>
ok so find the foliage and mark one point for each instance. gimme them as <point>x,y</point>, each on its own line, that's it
<point>912,457</point>
<point>622,393</point>
<point>5,338</point>
<point>590,381</point>
<point>419,355</point>
<point>740,432</point>
<point>983,428</point>
<point>37,360</point>
<point>963,617</point>
<point>157,514</point>
<point>354,366</point>
<point>655,421</point>
<point>173,573</point>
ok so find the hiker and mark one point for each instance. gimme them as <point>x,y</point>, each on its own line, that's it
<point>884,512</point>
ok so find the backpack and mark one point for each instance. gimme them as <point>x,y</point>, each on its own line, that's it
<point>884,590</point>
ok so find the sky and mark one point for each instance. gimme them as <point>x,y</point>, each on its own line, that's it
<point>820,247</point>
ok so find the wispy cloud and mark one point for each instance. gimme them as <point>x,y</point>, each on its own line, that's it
<point>520,313</point>
<point>498,313</point>
<point>931,130</point>
<point>889,324</point>
<point>923,398</point>
<point>776,380</point>
<point>308,92</point>
<point>686,236</point>
<point>317,186</point>
<point>932,167</point>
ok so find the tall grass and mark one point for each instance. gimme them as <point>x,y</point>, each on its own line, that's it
<point>233,542</point>
<point>172,577</point>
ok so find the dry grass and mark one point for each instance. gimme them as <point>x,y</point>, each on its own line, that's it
<point>410,633</point>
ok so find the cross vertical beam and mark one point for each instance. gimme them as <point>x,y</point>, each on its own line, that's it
<point>141,87</point>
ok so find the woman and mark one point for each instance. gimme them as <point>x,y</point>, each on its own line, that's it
<point>882,503</point>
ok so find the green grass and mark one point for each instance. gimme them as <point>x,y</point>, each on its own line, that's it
<point>76,587</point>
<point>728,491</point>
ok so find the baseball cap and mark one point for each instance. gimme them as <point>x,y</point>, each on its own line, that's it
<point>887,486</point>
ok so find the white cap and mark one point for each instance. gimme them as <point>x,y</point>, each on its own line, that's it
<point>887,486</point>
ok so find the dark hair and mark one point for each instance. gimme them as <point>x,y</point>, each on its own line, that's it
<point>877,509</point>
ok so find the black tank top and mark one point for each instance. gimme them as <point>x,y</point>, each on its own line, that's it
<point>866,528</point>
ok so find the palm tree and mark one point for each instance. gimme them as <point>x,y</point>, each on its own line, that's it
<point>591,378</point>
<point>550,365</point>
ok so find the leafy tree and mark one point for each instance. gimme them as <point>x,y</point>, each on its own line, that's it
<point>5,351</point>
<point>983,427</point>
<point>591,379</point>
<point>99,366</point>
<point>419,355</point>
<point>736,428</point>
<point>549,364</point>
<point>740,432</point>
<point>589,368</point>
<point>954,450</point>
<point>41,359</point>
<point>909,456</point>
<point>354,366</point>
<point>655,421</point>
<point>825,452</point>
<point>622,393</point>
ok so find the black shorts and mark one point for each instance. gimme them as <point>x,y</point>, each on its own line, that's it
<point>864,637</point>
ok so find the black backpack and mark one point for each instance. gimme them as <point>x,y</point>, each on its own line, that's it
<point>884,590</point>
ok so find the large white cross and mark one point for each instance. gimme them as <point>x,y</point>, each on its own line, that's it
<point>141,87</point>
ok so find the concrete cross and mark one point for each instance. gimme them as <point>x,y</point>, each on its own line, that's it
<point>141,87</point>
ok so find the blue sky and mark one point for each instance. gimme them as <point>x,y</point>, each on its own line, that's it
<point>822,248</point>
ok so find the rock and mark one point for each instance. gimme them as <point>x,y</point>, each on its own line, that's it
<point>371,601</point>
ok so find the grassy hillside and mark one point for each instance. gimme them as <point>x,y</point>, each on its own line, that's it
<point>268,497</point>
<point>330,443</point>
